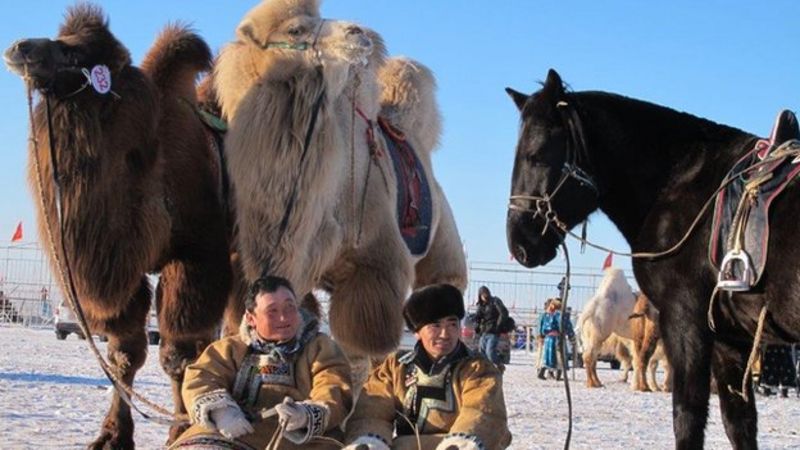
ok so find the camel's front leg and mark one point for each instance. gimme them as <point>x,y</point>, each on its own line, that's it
<point>590,364</point>
<point>191,298</point>
<point>127,350</point>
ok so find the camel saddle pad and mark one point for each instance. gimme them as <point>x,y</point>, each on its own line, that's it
<point>414,202</point>
<point>777,161</point>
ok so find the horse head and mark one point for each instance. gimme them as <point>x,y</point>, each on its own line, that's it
<point>552,188</point>
<point>67,65</point>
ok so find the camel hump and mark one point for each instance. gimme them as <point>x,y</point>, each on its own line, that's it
<point>408,100</point>
<point>175,59</point>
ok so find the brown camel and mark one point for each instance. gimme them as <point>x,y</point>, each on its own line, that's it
<point>139,192</point>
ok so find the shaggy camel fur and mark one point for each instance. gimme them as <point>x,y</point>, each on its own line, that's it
<point>644,332</point>
<point>324,215</point>
<point>623,353</point>
<point>138,192</point>
<point>606,312</point>
<point>639,351</point>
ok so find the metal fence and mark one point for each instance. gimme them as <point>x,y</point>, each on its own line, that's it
<point>30,294</point>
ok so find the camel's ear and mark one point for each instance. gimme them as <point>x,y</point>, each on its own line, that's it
<point>518,97</point>
<point>553,88</point>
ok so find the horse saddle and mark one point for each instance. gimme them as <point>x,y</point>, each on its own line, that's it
<point>740,227</point>
<point>414,201</point>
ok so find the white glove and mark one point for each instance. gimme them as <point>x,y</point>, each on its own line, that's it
<point>231,422</point>
<point>292,415</point>
<point>460,441</point>
<point>367,442</point>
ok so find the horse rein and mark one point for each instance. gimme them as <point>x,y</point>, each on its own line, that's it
<point>543,203</point>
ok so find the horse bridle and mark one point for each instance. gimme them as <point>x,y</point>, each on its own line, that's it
<point>576,149</point>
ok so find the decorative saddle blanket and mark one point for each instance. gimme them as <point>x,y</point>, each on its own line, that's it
<point>741,210</point>
<point>414,202</point>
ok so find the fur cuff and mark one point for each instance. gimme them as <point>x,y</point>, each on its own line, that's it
<point>317,419</point>
<point>372,441</point>
<point>205,403</point>
<point>461,441</point>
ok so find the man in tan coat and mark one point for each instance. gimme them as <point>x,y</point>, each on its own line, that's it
<point>450,396</point>
<point>279,380</point>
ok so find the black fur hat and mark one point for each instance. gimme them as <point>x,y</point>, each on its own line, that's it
<point>431,303</point>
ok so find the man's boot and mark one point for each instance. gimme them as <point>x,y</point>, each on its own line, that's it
<point>558,375</point>
<point>540,375</point>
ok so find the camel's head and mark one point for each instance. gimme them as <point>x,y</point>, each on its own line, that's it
<point>295,29</point>
<point>66,65</point>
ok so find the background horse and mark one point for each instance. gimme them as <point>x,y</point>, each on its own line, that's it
<point>315,188</point>
<point>651,169</point>
<point>139,192</point>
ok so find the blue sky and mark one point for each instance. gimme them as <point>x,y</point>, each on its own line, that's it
<point>733,62</point>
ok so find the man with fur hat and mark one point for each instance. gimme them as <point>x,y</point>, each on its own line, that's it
<point>280,379</point>
<point>450,396</point>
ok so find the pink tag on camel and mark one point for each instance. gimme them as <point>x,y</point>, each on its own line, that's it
<point>101,79</point>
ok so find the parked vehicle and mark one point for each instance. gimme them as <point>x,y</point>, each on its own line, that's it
<point>153,335</point>
<point>66,323</point>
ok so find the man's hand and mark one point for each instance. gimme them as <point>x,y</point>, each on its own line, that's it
<point>231,422</point>
<point>291,414</point>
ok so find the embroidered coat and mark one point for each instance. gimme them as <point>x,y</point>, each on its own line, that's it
<point>461,397</point>
<point>257,377</point>
<point>550,330</point>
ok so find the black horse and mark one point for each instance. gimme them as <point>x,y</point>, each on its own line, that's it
<point>651,169</point>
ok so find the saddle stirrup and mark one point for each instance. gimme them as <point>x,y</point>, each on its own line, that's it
<point>735,272</point>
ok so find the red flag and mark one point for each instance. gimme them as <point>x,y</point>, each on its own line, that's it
<point>609,259</point>
<point>17,233</point>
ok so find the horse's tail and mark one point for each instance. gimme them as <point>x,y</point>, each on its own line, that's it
<point>408,100</point>
<point>175,59</point>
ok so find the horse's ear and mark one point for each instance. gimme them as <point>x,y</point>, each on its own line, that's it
<point>518,97</point>
<point>553,88</point>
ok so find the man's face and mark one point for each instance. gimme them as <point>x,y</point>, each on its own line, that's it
<point>440,338</point>
<point>275,317</point>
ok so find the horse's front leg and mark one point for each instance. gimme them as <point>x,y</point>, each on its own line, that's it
<point>688,344</point>
<point>127,350</point>
<point>739,416</point>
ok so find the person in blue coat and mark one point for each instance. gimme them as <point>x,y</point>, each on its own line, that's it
<point>549,332</point>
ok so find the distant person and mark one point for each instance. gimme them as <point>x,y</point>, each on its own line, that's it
<point>549,332</point>
<point>279,363</point>
<point>540,368</point>
<point>490,314</point>
<point>452,396</point>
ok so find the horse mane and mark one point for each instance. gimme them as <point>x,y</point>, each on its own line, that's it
<point>668,124</point>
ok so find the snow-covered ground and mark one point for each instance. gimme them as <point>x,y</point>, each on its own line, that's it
<point>53,394</point>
